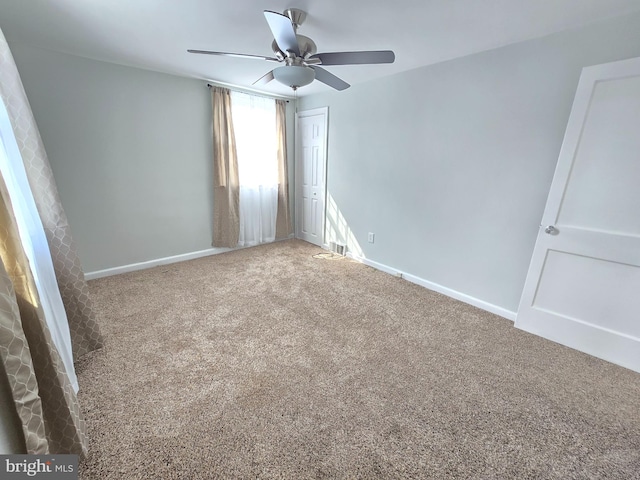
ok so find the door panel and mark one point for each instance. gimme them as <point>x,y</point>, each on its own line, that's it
<point>572,285</point>
<point>310,165</point>
<point>584,278</point>
<point>611,129</point>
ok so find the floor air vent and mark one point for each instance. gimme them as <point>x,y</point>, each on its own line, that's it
<point>338,248</point>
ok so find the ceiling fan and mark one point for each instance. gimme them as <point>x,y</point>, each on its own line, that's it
<point>300,57</point>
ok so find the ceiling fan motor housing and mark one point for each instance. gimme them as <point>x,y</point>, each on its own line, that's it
<point>306,45</point>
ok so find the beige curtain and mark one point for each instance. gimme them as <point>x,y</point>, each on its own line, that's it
<point>15,358</point>
<point>44,398</point>
<point>283,220</point>
<point>226,192</point>
<point>85,333</point>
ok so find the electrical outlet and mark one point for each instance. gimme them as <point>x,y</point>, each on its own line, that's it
<point>371,237</point>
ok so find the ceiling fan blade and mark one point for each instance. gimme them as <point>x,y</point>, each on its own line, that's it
<point>330,79</point>
<point>236,55</point>
<point>283,32</point>
<point>263,80</point>
<point>356,58</point>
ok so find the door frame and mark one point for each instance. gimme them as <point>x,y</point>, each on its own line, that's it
<point>298,170</point>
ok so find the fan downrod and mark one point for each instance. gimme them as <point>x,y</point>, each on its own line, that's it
<point>296,15</point>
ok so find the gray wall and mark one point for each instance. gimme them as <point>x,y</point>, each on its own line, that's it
<point>450,165</point>
<point>131,153</point>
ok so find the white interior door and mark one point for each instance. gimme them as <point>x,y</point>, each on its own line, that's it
<point>583,285</point>
<point>311,160</point>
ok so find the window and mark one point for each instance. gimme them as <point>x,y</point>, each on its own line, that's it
<point>254,124</point>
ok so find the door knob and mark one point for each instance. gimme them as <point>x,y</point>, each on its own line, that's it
<point>551,230</point>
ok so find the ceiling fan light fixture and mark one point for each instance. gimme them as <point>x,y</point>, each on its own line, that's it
<point>294,76</point>
<point>299,53</point>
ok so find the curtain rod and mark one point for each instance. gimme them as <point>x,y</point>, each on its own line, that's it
<point>250,92</point>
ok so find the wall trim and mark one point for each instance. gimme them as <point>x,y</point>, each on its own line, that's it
<point>463,297</point>
<point>183,257</point>
<point>107,272</point>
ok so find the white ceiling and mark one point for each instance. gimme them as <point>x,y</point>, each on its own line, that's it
<point>155,34</point>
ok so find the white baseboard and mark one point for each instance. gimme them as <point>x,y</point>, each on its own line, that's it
<point>163,261</point>
<point>476,302</point>
<point>154,263</point>
<point>463,297</point>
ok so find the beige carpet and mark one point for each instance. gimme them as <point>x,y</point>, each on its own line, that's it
<point>269,363</point>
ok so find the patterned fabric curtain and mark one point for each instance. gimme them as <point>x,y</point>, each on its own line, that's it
<point>226,187</point>
<point>283,220</point>
<point>85,333</point>
<point>45,399</point>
